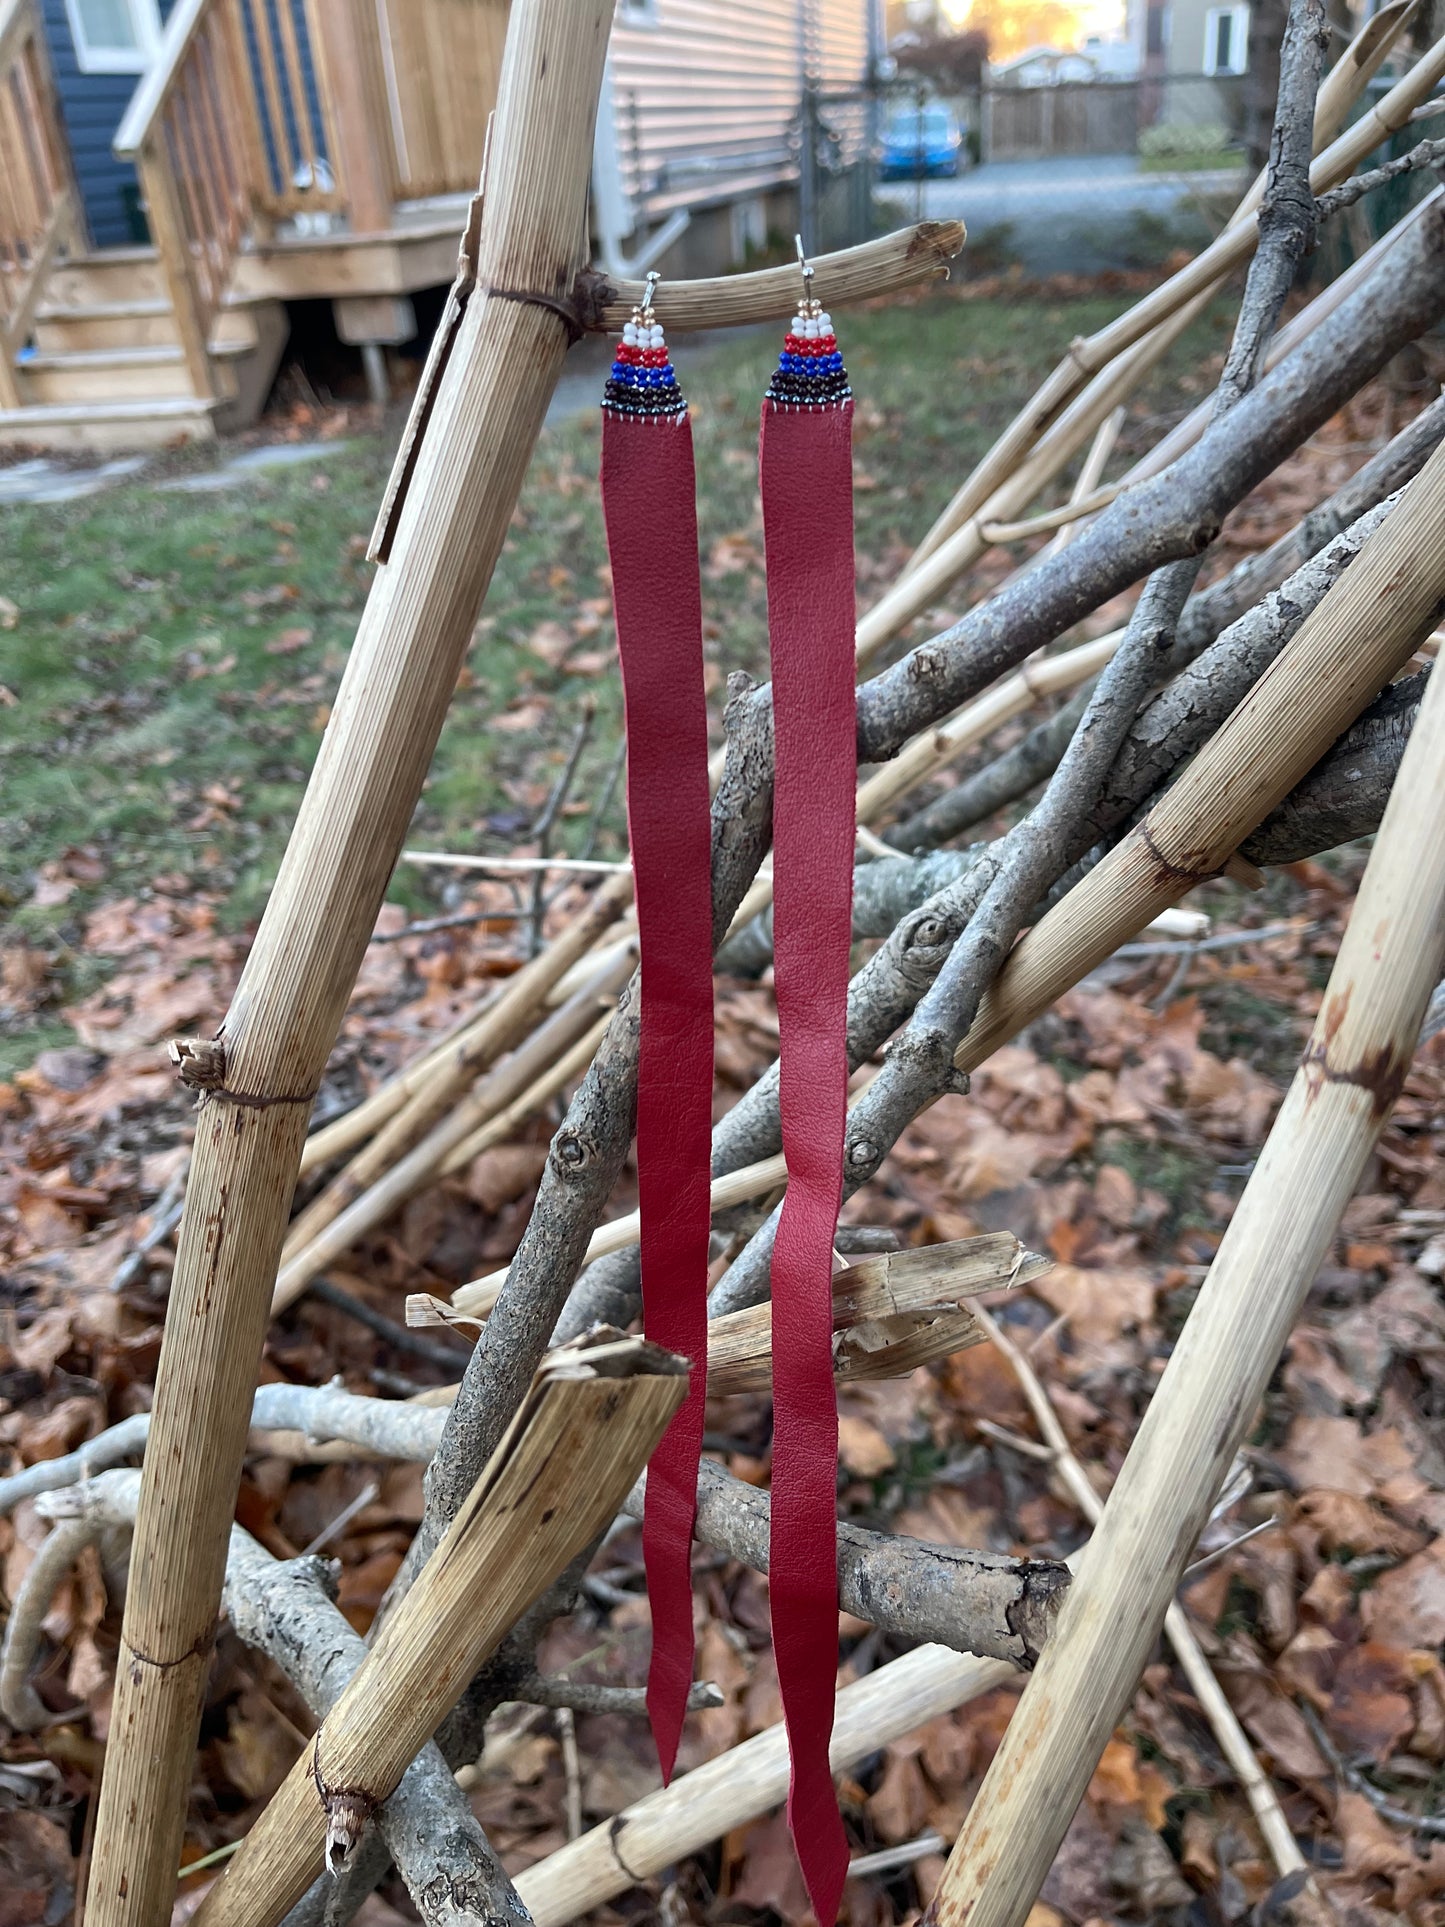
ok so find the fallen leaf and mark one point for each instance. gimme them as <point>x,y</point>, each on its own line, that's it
<point>1406,1607</point>
<point>863,1448</point>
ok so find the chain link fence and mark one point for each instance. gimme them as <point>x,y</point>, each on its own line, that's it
<point>1075,177</point>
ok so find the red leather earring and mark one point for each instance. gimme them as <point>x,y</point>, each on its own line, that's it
<point>805,463</point>
<point>651,516</point>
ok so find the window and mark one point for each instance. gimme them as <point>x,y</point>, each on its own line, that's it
<point>1226,40</point>
<point>1156,30</point>
<point>114,36</point>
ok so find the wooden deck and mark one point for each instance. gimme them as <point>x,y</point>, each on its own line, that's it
<point>284,151</point>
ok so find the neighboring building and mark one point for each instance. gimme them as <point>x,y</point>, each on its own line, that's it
<point>1190,36</point>
<point>698,130</point>
<point>1043,67</point>
<point>173,172</point>
<point>1198,50</point>
<point>1113,59</point>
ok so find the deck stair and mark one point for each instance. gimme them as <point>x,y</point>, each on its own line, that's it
<point>104,366</point>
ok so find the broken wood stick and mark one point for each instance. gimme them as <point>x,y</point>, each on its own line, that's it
<point>1351,1073</point>
<point>891,1313</point>
<point>895,261</point>
<point>600,1404</point>
<point>277,1035</point>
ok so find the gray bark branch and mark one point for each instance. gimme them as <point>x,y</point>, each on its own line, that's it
<point>906,1586</point>
<point>1019,769</point>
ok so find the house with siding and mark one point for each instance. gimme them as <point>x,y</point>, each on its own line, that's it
<point>1195,51</point>
<point>173,173</point>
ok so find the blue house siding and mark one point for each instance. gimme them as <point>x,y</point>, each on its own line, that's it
<point>92,107</point>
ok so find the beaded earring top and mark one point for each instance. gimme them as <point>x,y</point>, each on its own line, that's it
<point>642,385</point>
<point>810,371</point>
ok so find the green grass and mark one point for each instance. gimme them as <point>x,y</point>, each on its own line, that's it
<point>168,676</point>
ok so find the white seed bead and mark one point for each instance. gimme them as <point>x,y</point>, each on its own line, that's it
<point>825,323</point>
<point>799,322</point>
<point>656,336</point>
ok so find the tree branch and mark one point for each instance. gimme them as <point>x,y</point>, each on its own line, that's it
<point>1002,1608</point>
<point>1429,154</point>
<point>1016,772</point>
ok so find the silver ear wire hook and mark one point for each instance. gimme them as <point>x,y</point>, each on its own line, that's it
<point>653,277</point>
<point>807,270</point>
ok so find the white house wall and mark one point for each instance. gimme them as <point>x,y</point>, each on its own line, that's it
<point>704,93</point>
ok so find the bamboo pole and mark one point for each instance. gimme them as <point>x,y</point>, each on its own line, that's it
<point>355,1126</point>
<point>528,1516</point>
<point>737,1786</point>
<point>1362,633</point>
<point>885,266</point>
<point>1343,85</point>
<point>276,1037</point>
<point>1353,1067</point>
<point>1224,1723</point>
<point>567,1069</point>
<point>1091,471</point>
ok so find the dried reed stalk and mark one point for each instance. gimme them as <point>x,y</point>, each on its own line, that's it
<point>498,1028</point>
<point>738,1785</point>
<point>885,266</point>
<point>509,1083</point>
<point>1362,633</point>
<point>353,1127</point>
<point>599,1405</point>
<point>1224,1724</point>
<point>1353,1067</point>
<point>567,1070</point>
<point>275,1039</point>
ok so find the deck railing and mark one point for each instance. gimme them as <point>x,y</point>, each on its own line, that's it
<point>311,113</point>
<point>228,130</point>
<point>37,197</point>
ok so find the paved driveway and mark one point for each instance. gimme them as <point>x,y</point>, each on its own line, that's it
<point>1076,214</point>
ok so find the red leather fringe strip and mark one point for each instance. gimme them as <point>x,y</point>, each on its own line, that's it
<point>806,468</point>
<point>651,515</point>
